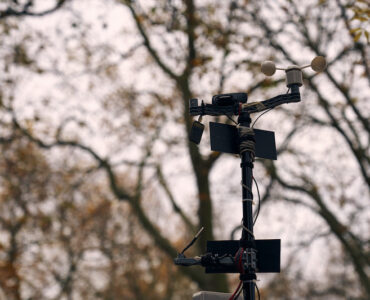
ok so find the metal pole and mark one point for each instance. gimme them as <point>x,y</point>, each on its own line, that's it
<point>247,158</point>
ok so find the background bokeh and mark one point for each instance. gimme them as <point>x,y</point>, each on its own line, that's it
<point>99,186</point>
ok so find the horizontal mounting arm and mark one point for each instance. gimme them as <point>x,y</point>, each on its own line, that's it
<point>236,108</point>
<point>255,107</point>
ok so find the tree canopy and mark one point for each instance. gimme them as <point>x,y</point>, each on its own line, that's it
<point>100,187</point>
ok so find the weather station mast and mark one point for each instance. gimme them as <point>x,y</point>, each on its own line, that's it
<point>248,255</point>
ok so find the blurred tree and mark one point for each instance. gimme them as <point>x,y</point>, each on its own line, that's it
<point>62,235</point>
<point>14,8</point>
<point>181,49</point>
<point>343,109</point>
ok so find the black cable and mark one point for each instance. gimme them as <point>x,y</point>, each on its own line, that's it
<point>258,291</point>
<point>259,201</point>
<point>231,119</point>
<point>260,116</point>
<point>238,293</point>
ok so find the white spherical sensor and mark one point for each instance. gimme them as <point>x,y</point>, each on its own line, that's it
<point>268,68</point>
<point>318,64</point>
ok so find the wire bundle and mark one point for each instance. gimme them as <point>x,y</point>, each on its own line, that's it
<point>239,289</point>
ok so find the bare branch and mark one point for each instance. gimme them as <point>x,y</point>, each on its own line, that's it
<point>26,10</point>
<point>190,19</point>
<point>163,243</point>
<point>170,196</point>
<point>119,192</point>
<point>345,92</point>
<point>357,151</point>
<point>342,232</point>
<point>7,140</point>
<point>359,46</point>
<point>148,44</point>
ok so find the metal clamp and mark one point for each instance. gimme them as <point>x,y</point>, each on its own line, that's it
<point>249,259</point>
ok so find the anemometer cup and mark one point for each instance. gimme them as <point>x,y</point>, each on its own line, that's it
<point>318,64</point>
<point>268,68</point>
<point>294,73</point>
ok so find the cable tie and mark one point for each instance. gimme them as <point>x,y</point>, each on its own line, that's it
<point>247,230</point>
<point>250,281</point>
<point>248,200</point>
<point>246,187</point>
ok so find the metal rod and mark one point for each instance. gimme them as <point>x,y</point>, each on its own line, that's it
<point>247,232</point>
